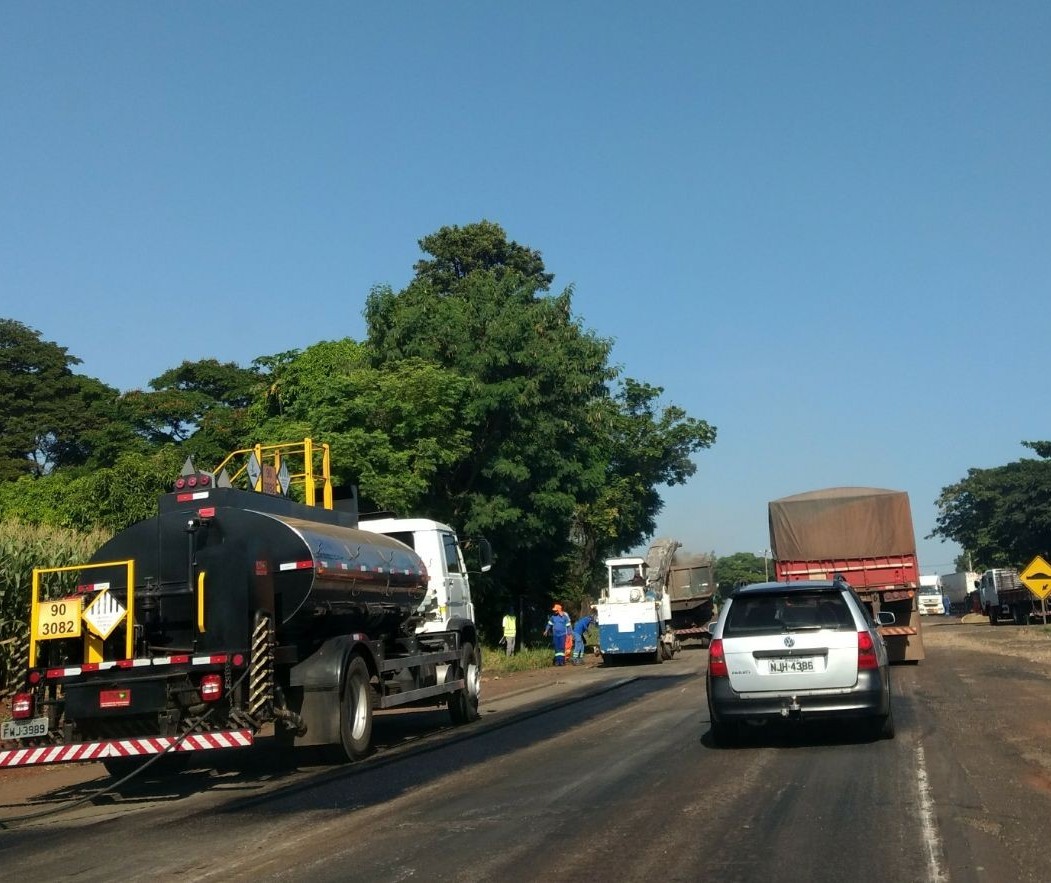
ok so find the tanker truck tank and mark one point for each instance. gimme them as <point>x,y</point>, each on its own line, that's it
<point>316,577</point>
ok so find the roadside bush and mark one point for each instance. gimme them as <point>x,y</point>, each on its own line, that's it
<point>498,662</point>
<point>23,547</point>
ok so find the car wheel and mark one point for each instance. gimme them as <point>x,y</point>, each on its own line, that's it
<point>881,727</point>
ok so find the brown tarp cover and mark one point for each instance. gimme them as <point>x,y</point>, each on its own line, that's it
<point>841,522</point>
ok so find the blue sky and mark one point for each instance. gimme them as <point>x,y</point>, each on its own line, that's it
<point>822,227</point>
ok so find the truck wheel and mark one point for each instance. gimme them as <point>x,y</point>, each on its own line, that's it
<point>355,711</point>
<point>463,704</point>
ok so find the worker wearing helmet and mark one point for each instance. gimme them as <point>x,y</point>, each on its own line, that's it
<point>558,628</point>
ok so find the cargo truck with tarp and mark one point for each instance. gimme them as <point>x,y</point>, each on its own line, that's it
<point>866,536</point>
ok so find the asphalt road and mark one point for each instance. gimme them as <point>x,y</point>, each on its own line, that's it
<point>613,778</point>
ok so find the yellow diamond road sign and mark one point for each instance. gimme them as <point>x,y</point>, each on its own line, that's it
<point>1037,577</point>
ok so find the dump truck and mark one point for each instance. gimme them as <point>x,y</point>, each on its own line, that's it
<point>864,535</point>
<point>1004,597</point>
<point>234,608</point>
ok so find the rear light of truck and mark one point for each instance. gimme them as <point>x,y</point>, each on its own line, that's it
<point>717,660</point>
<point>866,652</point>
<point>211,688</point>
<point>22,706</point>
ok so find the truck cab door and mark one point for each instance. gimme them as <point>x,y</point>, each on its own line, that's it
<point>457,588</point>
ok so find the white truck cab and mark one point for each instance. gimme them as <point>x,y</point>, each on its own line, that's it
<point>930,598</point>
<point>448,596</point>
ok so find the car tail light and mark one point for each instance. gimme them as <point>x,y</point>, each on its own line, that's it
<point>211,688</point>
<point>866,652</point>
<point>22,706</point>
<point>716,660</point>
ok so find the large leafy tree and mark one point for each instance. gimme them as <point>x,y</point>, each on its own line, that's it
<point>559,471</point>
<point>50,417</point>
<point>636,446</point>
<point>1000,516</point>
<point>201,405</point>
<point>739,569</point>
<point>535,371</point>
<point>391,431</point>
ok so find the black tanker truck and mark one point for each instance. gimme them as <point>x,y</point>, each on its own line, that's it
<point>231,609</point>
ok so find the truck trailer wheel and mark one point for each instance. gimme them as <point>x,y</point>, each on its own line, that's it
<point>463,704</point>
<point>355,711</point>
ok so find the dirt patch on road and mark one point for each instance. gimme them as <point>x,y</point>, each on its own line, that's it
<point>1029,642</point>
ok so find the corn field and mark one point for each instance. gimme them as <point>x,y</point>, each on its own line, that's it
<point>21,549</point>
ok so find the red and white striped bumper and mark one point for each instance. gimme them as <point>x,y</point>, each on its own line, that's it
<point>84,751</point>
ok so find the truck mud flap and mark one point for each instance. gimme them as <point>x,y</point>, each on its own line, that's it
<point>904,639</point>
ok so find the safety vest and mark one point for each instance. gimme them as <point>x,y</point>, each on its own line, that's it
<point>509,626</point>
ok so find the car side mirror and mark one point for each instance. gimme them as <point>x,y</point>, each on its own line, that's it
<point>711,626</point>
<point>885,617</point>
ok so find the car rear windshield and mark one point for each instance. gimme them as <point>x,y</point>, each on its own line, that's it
<point>772,614</point>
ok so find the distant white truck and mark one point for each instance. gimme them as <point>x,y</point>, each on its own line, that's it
<point>959,585</point>
<point>930,597</point>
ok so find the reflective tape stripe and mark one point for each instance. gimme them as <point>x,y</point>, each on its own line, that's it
<point>74,670</point>
<point>124,748</point>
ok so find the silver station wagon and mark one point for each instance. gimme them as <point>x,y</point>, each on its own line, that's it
<point>801,651</point>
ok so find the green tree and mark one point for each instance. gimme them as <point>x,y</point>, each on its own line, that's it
<point>201,405</point>
<point>535,373</point>
<point>560,471</point>
<point>740,568</point>
<point>636,446</point>
<point>50,417</point>
<point>391,431</point>
<point>1000,515</point>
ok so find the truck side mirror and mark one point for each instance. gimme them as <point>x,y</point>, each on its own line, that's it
<point>485,554</point>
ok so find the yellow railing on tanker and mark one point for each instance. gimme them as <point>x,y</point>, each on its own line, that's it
<point>308,477</point>
<point>53,619</point>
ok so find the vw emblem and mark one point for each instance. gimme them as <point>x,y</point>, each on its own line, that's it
<point>790,641</point>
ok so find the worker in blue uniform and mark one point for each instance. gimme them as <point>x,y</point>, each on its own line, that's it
<point>579,628</point>
<point>558,627</point>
